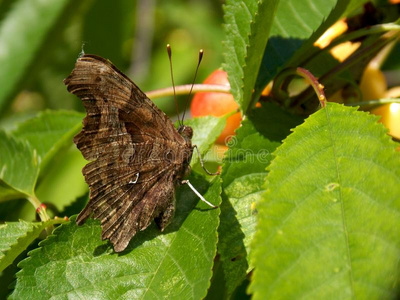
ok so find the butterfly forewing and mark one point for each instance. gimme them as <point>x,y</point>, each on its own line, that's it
<point>137,156</point>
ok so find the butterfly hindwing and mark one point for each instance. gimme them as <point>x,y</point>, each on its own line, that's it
<point>159,198</point>
<point>134,149</point>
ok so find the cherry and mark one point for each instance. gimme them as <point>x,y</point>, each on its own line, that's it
<point>217,104</point>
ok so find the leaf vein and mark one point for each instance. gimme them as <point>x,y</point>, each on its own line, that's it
<point>298,18</point>
<point>346,234</point>
<point>198,239</point>
<point>315,10</point>
<point>159,266</point>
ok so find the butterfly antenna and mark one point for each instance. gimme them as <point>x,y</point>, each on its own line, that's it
<point>173,83</point>
<point>194,79</point>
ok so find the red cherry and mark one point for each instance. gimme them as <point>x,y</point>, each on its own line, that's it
<point>217,104</point>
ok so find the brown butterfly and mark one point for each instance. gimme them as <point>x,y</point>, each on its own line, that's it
<point>137,155</point>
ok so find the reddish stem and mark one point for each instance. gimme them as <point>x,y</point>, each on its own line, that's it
<point>318,87</point>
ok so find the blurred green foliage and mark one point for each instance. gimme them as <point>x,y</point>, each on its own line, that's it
<point>113,30</point>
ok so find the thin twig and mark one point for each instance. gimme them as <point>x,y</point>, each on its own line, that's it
<point>375,102</point>
<point>185,89</point>
<point>318,87</point>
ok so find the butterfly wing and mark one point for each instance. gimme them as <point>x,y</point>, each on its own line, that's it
<point>139,216</point>
<point>126,138</point>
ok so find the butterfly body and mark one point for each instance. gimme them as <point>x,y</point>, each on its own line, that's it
<point>137,157</point>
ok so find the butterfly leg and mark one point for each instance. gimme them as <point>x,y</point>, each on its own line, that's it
<point>202,163</point>
<point>198,194</point>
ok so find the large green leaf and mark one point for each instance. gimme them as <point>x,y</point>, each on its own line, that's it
<point>50,135</point>
<point>296,26</point>
<point>175,264</point>
<point>243,177</point>
<point>247,26</point>
<point>328,225</point>
<point>19,166</point>
<point>15,237</point>
<point>31,146</point>
<point>23,32</point>
<point>66,167</point>
<point>50,130</point>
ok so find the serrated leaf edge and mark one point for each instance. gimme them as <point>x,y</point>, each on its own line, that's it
<point>373,119</point>
<point>226,41</point>
<point>35,226</point>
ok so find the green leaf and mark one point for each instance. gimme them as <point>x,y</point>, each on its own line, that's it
<point>15,237</point>
<point>296,26</point>
<point>51,134</point>
<point>328,225</point>
<point>49,131</point>
<point>19,165</point>
<point>8,193</point>
<point>206,130</point>
<point>243,177</point>
<point>23,33</point>
<point>64,168</point>
<point>247,26</point>
<point>175,264</point>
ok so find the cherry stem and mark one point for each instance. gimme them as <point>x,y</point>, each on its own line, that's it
<point>40,208</point>
<point>185,90</point>
<point>281,80</point>
<point>318,87</point>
